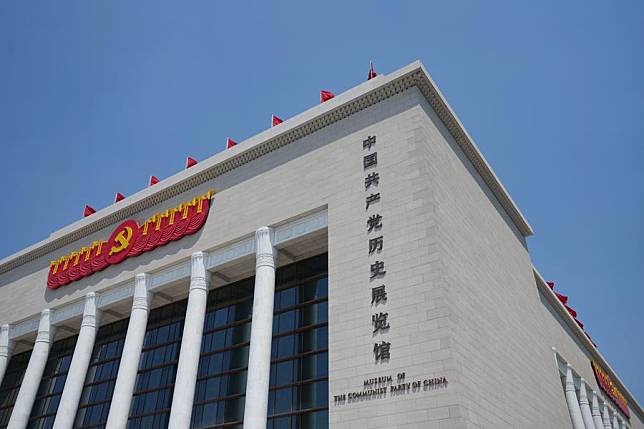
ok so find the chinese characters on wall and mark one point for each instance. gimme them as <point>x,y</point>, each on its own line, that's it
<point>384,386</point>
<point>379,318</point>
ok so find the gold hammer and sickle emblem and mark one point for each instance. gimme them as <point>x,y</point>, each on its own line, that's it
<point>123,239</point>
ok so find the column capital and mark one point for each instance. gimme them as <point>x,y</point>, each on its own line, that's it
<point>264,251</point>
<point>583,396</point>
<point>199,276</point>
<point>45,329</point>
<point>596,412</point>
<point>6,344</point>
<point>606,417</point>
<point>595,405</point>
<point>142,295</point>
<point>91,315</point>
<point>570,382</point>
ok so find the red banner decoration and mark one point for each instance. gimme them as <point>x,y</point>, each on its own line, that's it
<point>130,239</point>
<point>607,385</point>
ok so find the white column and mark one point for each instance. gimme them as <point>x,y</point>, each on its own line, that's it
<point>259,358</point>
<point>6,348</point>
<point>606,417</point>
<point>128,368</point>
<point>33,374</point>
<point>615,421</point>
<point>584,405</point>
<point>78,368</point>
<point>597,414</point>
<point>571,400</point>
<point>184,387</point>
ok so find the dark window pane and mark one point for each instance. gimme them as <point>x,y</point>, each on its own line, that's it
<point>314,395</point>
<point>287,298</point>
<point>284,373</point>
<point>283,400</point>
<point>234,410</point>
<point>315,420</point>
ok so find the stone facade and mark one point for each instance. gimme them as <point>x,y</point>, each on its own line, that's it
<point>463,302</point>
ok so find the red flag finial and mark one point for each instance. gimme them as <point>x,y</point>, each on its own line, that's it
<point>118,197</point>
<point>326,96</point>
<point>190,162</point>
<point>275,120</point>
<point>230,143</point>
<point>88,211</point>
<point>153,180</point>
<point>372,71</point>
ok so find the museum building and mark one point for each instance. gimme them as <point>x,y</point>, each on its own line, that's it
<point>357,265</point>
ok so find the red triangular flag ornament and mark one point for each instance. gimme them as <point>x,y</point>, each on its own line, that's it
<point>551,285</point>
<point>190,162</point>
<point>275,120</point>
<point>88,211</point>
<point>230,143</point>
<point>153,180</point>
<point>326,96</point>
<point>562,298</point>
<point>118,197</point>
<point>372,71</point>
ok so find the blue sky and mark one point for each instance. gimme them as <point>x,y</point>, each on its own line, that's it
<point>96,96</point>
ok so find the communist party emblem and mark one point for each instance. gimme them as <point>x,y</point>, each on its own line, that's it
<point>121,240</point>
<point>130,239</point>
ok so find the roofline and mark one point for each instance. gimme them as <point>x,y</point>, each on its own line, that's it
<point>581,336</point>
<point>322,115</point>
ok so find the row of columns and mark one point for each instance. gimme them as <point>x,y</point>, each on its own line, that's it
<point>586,414</point>
<point>256,408</point>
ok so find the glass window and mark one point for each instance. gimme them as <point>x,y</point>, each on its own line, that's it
<point>154,386</point>
<point>52,382</point>
<point>298,395</point>
<point>101,375</point>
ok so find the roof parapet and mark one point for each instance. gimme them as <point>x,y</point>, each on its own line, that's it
<point>322,115</point>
